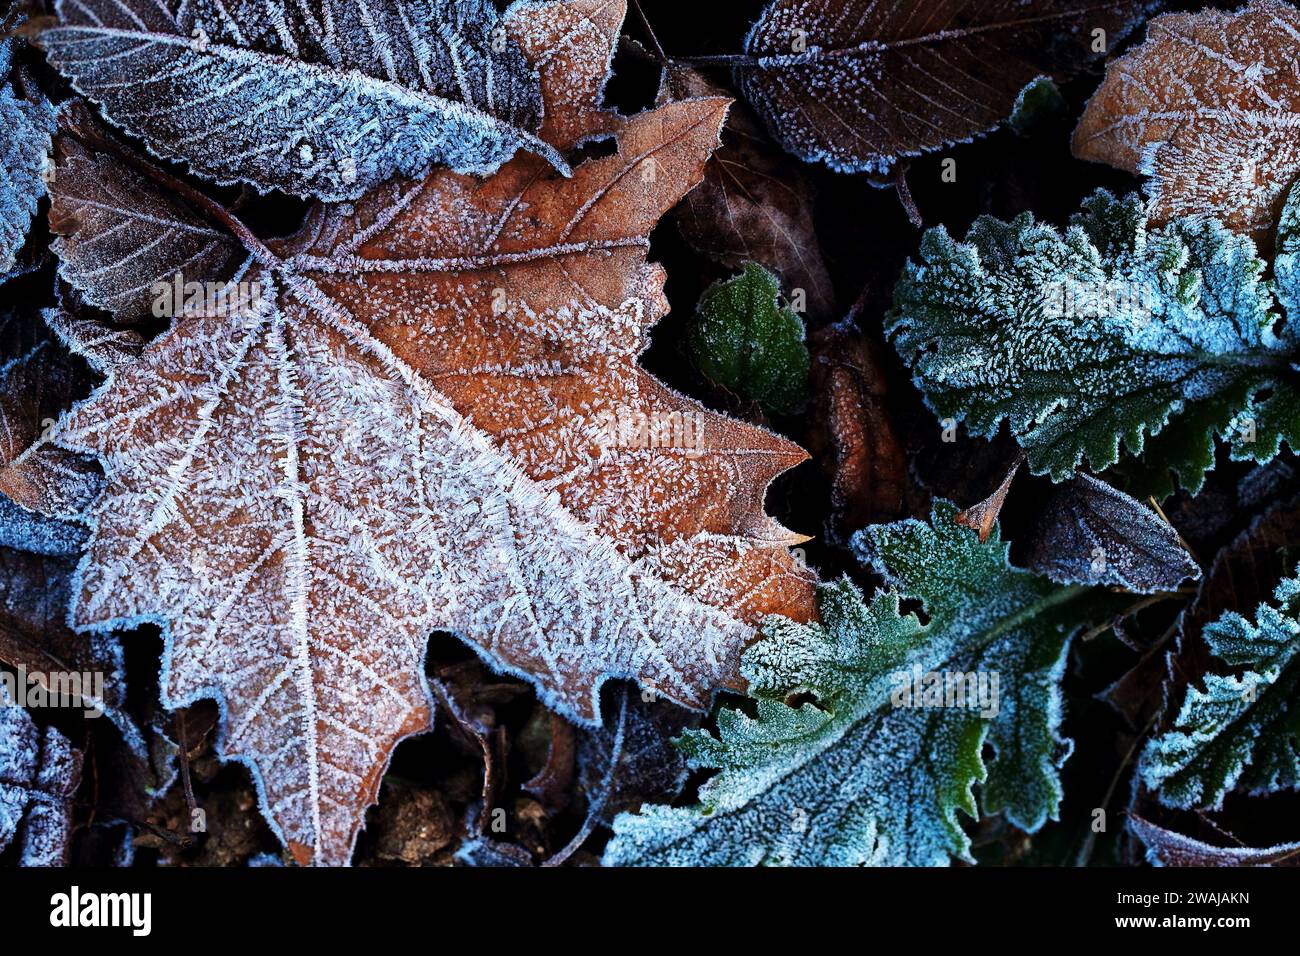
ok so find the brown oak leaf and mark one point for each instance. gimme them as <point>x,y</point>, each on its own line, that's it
<point>410,417</point>
<point>1207,106</point>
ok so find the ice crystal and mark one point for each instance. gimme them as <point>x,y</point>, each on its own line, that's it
<point>323,100</point>
<point>1113,333</point>
<point>408,429</point>
<point>861,777</point>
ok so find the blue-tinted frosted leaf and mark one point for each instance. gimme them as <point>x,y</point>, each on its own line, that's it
<point>860,777</point>
<point>1099,337</point>
<point>858,83</point>
<point>1242,728</point>
<point>323,100</point>
<point>25,130</point>
<point>39,773</point>
<point>120,236</point>
<point>1091,533</point>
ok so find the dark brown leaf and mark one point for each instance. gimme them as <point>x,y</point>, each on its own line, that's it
<point>1173,849</point>
<point>754,204</point>
<point>853,436</point>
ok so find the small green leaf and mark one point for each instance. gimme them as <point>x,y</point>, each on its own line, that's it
<point>747,340</point>
<point>1110,335</point>
<point>871,773</point>
<point>1038,103</point>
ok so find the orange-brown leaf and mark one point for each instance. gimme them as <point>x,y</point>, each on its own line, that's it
<point>1207,107</point>
<point>417,425</point>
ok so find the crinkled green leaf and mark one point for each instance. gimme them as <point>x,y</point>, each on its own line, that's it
<point>855,778</point>
<point>746,339</point>
<point>1243,728</point>
<point>1110,334</point>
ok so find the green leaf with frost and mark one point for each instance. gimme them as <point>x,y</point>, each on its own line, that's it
<point>855,776</point>
<point>748,340</point>
<point>1112,334</point>
<point>1242,730</point>
<point>1039,103</point>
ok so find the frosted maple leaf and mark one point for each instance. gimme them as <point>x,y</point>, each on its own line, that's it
<point>404,427</point>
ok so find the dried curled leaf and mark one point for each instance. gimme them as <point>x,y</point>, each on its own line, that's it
<point>39,772</point>
<point>120,237</point>
<point>1091,533</point>
<point>1207,107</point>
<point>412,426</point>
<point>755,204</point>
<point>853,432</point>
<point>324,100</point>
<point>34,636</point>
<point>1167,848</point>
<point>857,84</point>
<point>47,485</point>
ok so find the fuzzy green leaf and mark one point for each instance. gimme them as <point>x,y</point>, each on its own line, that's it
<point>1242,729</point>
<point>746,339</point>
<point>859,776</point>
<point>1112,334</point>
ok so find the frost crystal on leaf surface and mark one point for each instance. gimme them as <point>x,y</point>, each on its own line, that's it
<point>858,83</point>
<point>1240,730</point>
<point>39,773</point>
<point>1208,107</point>
<point>325,99</point>
<point>27,125</point>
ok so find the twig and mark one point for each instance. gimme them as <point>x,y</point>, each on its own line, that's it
<point>598,802</point>
<point>185,766</point>
<point>721,59</point>
<point>650,34</point>
<point>1085,851</point>
<point>905,195</point>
